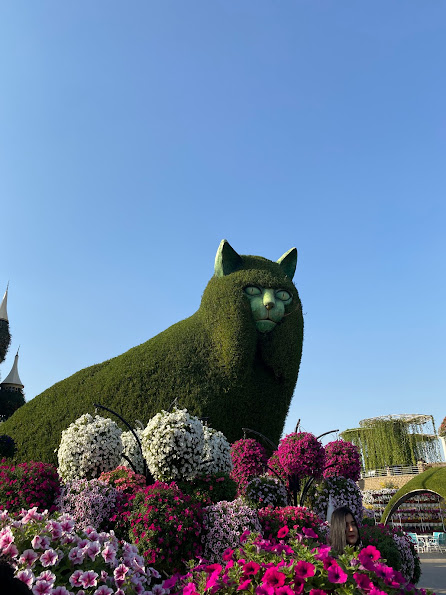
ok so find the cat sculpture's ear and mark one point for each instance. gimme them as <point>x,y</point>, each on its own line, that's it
<point>226,260</point>
<point>288,262</point>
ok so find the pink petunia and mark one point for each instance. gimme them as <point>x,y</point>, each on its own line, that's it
<point>76,555</point>
<point>303,570</point>
<point>103,590</point>
<point>42,588</point>
<point>48,576</point>
<point>376,591</point>
<point>273,577</point>
<point>299,587</point>
<point>88,579</point>
<point>48,558</point>
<point>28,557</point>
<point>283,532</point>
<point>309,532</point>
<point>369,553</point>
<point>336,575</point>
<point>244,536</point>
<point>6,537</point>
<point>61,591</point>
<point>284,590</point>
<point>75,578</point>
<point>251,568</point>
<point>109,554</point>
<point>190,589</point>
<point>265,589</point>
<point>26,576</point>
<point>93,549</point>
<point>243,586</point>
<point>11,550</point>
<point>227,554</point>
<point>317,592</point>
<point>119,573</point>
<point>363,581</point>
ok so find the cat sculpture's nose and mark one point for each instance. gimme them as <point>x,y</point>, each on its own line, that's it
<point>269,305</point>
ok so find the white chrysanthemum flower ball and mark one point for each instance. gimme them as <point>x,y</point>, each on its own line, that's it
<point>172,445</point>
<point>89,446</point>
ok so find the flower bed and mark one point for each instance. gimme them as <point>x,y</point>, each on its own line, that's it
<point>27,485</point>
<point>266,567</point>
<point>51,558</point>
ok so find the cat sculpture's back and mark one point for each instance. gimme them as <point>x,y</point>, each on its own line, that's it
<point>235,361</point>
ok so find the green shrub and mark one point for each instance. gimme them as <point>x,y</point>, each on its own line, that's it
<point>209,489</point>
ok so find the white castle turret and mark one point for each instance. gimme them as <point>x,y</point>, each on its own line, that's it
<point>4,306</point>
<point>12,380</point>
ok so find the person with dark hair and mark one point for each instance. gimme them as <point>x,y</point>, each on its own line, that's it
<point>343,530</point>
<point>9,585</point>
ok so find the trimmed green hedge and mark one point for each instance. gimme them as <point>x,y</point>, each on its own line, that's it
<point>433,479</point>
<point>215,363</point>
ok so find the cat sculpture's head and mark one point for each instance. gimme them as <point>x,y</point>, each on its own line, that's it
<point>252,309</point>
<point>268,304</point>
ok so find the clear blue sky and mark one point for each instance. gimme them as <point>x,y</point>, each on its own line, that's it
<point>135,136</point>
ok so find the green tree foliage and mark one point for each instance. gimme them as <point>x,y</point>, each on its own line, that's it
<point>215,363</point>
<point>386,442</point>
<point>5,339</point>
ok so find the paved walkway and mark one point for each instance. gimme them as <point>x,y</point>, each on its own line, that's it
<point>433,572</point>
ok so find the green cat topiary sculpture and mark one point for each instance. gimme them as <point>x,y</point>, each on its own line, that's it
<point>235,361</point>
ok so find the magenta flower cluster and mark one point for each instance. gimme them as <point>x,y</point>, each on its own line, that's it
<point>301,454</point>
<point>124,479</point>
<point>166,526</point>
<point>298,518</point>
<point>342,459</point>
<point>270,567</point>
<point>28,485</point>
<point>248,460</point>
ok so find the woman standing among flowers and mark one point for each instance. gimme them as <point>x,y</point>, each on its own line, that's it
<point>343,530</point>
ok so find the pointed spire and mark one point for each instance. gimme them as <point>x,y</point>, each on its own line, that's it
<point>3,306</point>
<point>12,380</point>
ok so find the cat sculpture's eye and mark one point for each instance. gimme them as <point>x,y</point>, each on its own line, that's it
<point>253,290</point>
<point>283,295</point>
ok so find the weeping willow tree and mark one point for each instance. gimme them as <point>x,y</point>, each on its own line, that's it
<point>395,440</point>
